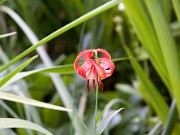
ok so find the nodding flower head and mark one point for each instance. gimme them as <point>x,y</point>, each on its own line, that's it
<point>94,68</point>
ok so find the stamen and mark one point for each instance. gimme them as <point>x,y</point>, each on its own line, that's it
<point>88,86</point>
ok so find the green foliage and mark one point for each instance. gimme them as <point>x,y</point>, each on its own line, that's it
<point>146,31</point>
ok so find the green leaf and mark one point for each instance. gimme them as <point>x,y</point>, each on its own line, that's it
<point>14,72</point>
<point>142,24</point>
<point>168,46</point>
<point>101,125</point>
<point>19,123</point>
<point>24,100</point>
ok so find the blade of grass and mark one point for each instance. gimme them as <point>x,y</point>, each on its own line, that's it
<point>13,73</point>
<point>67,27</point>
<point>18,123</point>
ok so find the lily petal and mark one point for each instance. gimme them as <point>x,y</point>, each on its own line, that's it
<point>107,65</point>
<point>105,53</point>
<point>85,68</point>
<point>100,71</point>
<point>82,54</point>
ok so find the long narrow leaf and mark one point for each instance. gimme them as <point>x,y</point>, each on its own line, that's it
<point>168,46</point>
<point>146,34</point>
<point>18,69</point>
<point>24,100</point>
<point>18,123</point>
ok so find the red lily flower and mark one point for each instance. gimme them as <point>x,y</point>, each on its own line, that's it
<point>93,69</point>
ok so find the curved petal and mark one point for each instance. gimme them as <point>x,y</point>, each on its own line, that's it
<point>84,54</point>
<point>88,55</point>
<point>105,53</point>
<point>91,74</point>
<point>100,71</point>
<point>107,65</point>
<point>85,69</point>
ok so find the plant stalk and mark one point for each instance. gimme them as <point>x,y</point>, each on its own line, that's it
<point>96,92</point>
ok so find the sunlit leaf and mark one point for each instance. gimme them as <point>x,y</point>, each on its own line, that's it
<point>24,100</point>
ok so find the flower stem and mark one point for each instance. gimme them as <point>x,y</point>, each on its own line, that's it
<point>96,104</point>
<point>96,107</point>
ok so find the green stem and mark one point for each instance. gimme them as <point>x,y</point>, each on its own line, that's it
<point>67,27</point>
<point>96,104</point>
<point>96,108</point>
